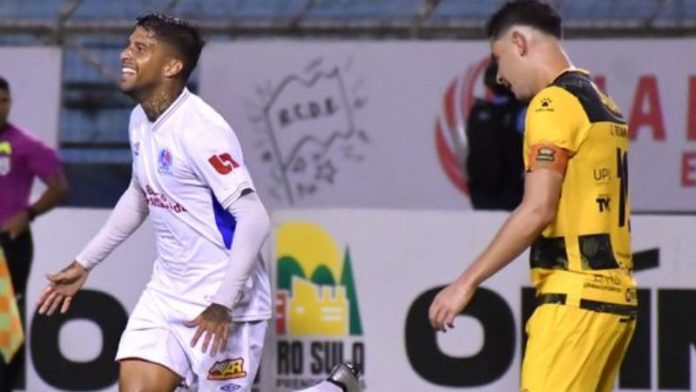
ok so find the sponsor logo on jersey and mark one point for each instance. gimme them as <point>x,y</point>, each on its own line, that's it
<point>545,105</point>
<point>223,163</point>
<point>229,369</point>
<point>164,161</point>
<point>603,203</point>
<point>161,200</point>
<point>230,387</point>
<point>546,154</point>
<point>601,174</point>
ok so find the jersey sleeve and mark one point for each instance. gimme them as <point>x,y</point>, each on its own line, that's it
<point>555,121</point>
<point>216,157</point>
<point>43,161</point>
<point>128,214</point>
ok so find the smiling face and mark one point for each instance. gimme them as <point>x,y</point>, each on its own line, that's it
<point>144,63</point>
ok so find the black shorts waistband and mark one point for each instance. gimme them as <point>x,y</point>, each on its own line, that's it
<point>595,306</point>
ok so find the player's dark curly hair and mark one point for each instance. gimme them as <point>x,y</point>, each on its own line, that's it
<point>490,80</point>
<point>4,85</point>
<point>181,35</point>
<point>535,13</point>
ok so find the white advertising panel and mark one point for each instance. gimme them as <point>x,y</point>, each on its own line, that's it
<point>355,285</point>
<point>34,75</point>
<point>381,124</point>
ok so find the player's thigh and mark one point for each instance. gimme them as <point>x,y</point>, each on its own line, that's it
<point>540,350</point>
<point>234,368</point>
<point>626,328</point>
<point>568,349</point>
<point>137,375</point>
<point>149,340</point>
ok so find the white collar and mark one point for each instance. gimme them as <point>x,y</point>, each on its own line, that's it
<point>185,93</point>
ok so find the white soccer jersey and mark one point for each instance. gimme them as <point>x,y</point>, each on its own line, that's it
<point>190,168</point>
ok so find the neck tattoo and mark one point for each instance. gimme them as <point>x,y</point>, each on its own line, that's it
<point>158,104</point>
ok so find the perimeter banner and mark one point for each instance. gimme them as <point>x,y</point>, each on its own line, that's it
<point>355,285</point>
<point>382,124</point>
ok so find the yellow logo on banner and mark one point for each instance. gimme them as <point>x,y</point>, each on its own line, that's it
<point>315,287</point>
<point>11,335</point>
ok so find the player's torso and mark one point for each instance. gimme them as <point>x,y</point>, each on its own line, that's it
<point>15,176</point>
<point>585,251</point>
<point>194,232</point>
<point>180,205</point>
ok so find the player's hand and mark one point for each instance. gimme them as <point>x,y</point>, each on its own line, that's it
<point>16,224</point>
<point>448,303</point>
<point>214,325</point>
<point>61,289</point>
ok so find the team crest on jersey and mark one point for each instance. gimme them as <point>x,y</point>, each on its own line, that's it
<point>164,161</point>
<point>229,369</point>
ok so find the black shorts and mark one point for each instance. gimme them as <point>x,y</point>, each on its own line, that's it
<point>19,253</point>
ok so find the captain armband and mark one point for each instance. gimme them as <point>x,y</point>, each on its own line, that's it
<point>548,156</point>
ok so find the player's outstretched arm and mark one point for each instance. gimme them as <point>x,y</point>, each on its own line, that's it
<point>128,214</point>
<point>62,288</point>
<point>525,224</point>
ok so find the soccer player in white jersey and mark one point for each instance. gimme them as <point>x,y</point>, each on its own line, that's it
<point>203,315</point>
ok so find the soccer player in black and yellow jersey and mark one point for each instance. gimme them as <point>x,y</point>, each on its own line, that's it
<point>574,213</point>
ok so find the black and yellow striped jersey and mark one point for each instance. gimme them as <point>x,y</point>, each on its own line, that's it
<point>585,251</point>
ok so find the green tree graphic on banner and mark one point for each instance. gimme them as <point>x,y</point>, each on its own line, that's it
<point>322,276</point>
<point>287,268</point>
<point>349,283</point>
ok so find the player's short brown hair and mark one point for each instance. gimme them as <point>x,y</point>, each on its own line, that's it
<point>535,13</point>
<point>4,85</point>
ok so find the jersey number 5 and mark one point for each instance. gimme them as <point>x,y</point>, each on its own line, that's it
<point>223,163</point>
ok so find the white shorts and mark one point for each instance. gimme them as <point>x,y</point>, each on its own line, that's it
<point>156,333</point>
